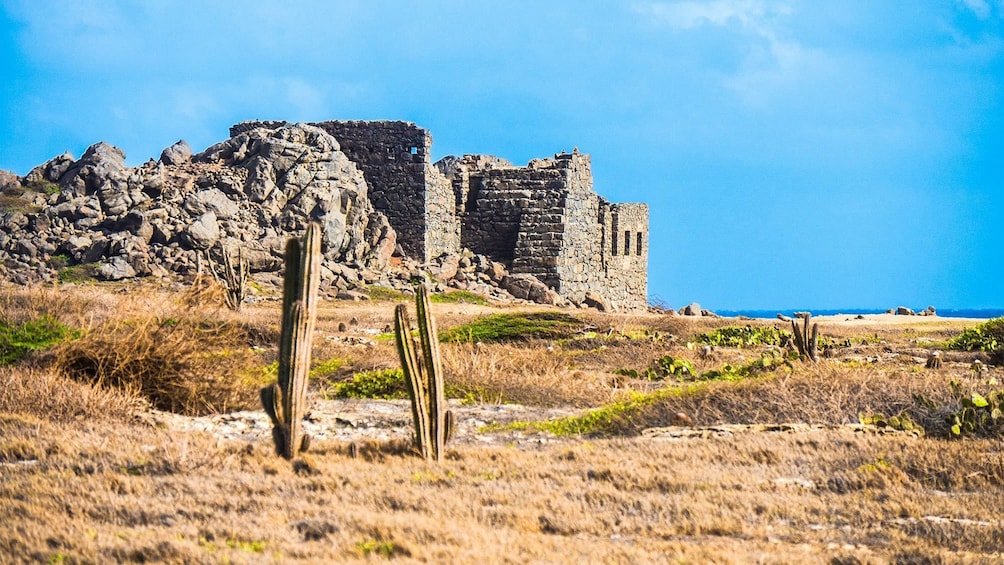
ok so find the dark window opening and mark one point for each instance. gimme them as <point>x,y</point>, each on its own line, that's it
<point>638,250</point>
<point>627,242</point>
<point>613,243</point>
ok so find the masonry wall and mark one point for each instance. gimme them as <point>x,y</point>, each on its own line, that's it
<point>394,158</point>
<point>625,253</point>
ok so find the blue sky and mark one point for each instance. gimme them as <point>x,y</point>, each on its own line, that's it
<point>794,154</point>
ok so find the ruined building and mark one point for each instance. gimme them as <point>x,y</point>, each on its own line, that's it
<point>542,219</point>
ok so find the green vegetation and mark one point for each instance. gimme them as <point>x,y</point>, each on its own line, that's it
<point>17,340</point>
<point>44,187</point>
<point>606,420</point>
<point>768,362</point>
<point>748,336</point>
<point>377,292</point>
<point>76,273</point>
<point>384,384</point>
<point>977,414</point>
<point>901,421</point>
<point>385,549</point>
<point>529,326</point>
<point>459,297</point>
<point>324,369</point>
<point>988,336</point>
<point>667,366</point>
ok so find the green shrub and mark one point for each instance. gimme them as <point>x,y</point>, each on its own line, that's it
<point>17,340</point>
<point>748,336</point>
<point>377,292</point>
<point>768,362</point>
<point>988,336</point>
<point>516,327</point>
<point>385,384</point>
<point>459,297</point>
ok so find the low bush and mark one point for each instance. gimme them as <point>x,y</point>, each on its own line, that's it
<point>744,336</point>
<point>18,340</point>
<point>527,326</point>
<point>988,336</point>
<point>385,384</point>
<point>184,364</point>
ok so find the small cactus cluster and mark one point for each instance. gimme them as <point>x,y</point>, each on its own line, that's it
<point>423,373</point>
<point>234,276</point>
<point>807,343</point>
<point>285,401</point>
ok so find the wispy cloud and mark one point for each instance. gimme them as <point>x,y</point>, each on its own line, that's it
<point>981,8</point>
<point>770,59</point>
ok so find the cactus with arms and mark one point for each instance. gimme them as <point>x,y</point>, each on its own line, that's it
<point>285,401</point>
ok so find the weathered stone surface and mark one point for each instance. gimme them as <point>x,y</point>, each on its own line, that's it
<point>204,232</point>
<point>176,154</point>
<point>50,171</point>
<point>904,311</point>
<point>115,269</point>
<point>385,211</point>
<point>692,309</point>
<point>594,300</point>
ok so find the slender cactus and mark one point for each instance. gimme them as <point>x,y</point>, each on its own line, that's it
<point>285,401</point>
<point>234,278</point>
<point>434,424</point>
<point>806,341</point>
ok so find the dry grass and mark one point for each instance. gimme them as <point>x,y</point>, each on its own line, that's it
<point>84,480</point>
<point>134,494</point>
<point>537,376</point>
<point>46,394</point>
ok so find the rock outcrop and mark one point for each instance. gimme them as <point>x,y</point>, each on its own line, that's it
<point>253,191</point>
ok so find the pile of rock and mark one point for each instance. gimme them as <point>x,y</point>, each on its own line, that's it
<point>253,191</point>
<point>904,311</point>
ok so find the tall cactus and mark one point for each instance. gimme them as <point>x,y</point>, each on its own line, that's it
<point>806,342</point>
<point>424,376</point>
<point>285,401</point>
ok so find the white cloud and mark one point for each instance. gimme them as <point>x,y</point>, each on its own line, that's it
<point>978,7</point>
<point>771,60</point>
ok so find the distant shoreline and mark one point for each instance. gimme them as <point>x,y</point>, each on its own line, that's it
<point>973,313</point>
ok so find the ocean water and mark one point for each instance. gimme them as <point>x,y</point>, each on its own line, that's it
<point>945,312</point>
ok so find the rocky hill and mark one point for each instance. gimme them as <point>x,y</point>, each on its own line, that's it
<point>96,216</point>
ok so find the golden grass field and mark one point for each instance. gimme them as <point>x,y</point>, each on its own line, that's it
<point>666,474</point>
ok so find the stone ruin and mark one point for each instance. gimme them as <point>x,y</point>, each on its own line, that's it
<point>477,222</point>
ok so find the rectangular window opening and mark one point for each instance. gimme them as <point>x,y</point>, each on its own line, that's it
<point>638,247</point>
<point>613,243</point>
<point>627,242</point>
<point>413,150</point>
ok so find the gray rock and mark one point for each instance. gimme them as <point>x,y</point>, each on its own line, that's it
<point>594,300</point>
<point>213,200</point>
<point>176,154</point>
<point>52,170</point>
<point>692,309</point>
<point>204,232</point>
<point>115,269</point>
<point>904,311</point>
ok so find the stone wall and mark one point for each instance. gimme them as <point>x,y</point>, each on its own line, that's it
<point>625,253</point>
<point>543,219</point>
<point>393,157</point>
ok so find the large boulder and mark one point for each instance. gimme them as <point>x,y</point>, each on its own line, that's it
<point>177,154</point>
